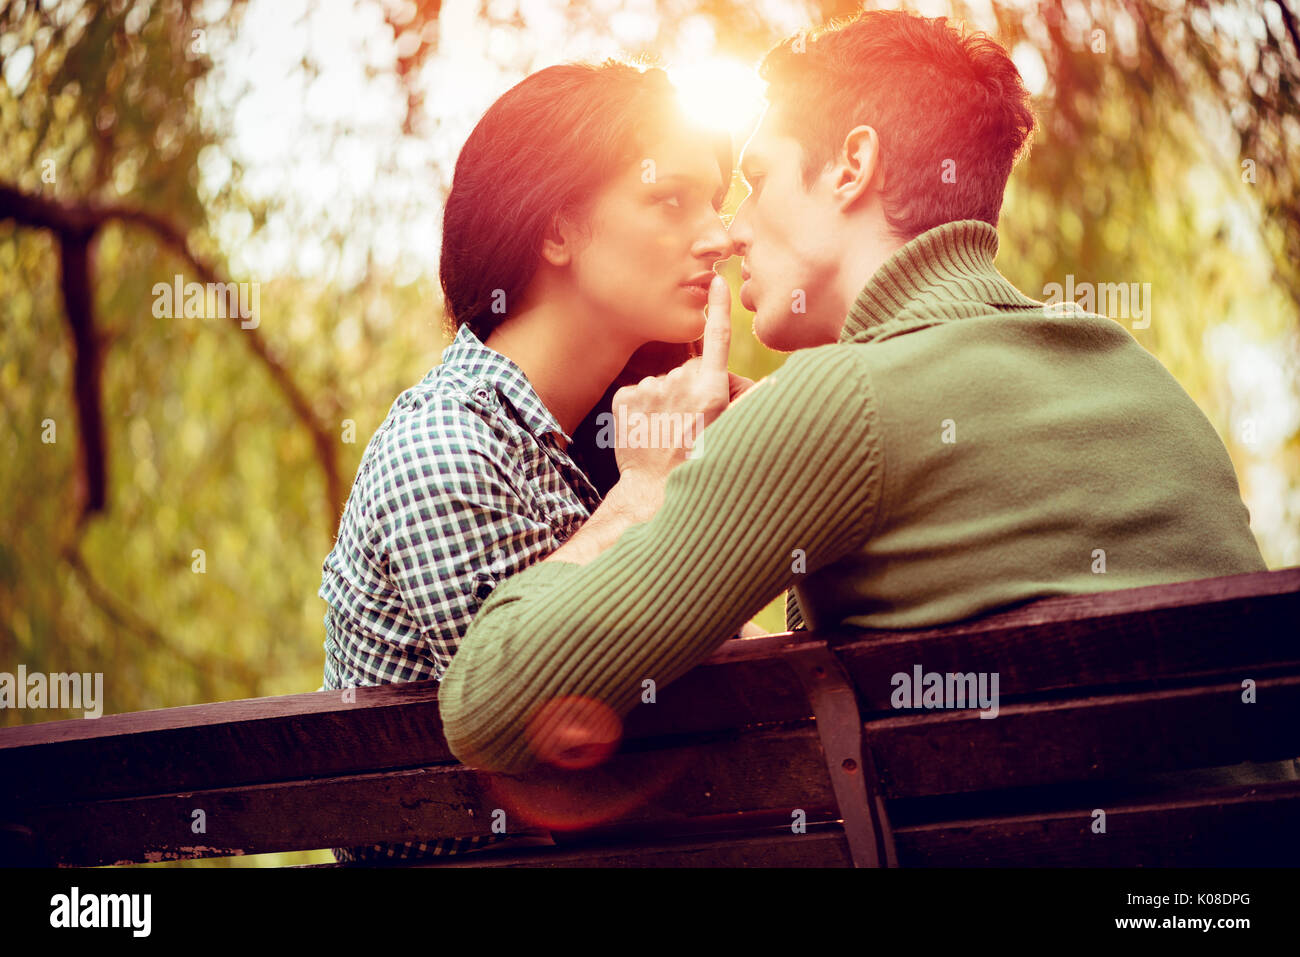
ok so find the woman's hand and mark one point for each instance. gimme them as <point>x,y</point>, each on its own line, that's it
<point>657,422</point>
<point>659,419</point>
<point>739,384</point>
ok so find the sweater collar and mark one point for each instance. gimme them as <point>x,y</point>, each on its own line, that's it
<point>945,273</point>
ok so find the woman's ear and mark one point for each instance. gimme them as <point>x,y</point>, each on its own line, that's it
<point>557,244</point>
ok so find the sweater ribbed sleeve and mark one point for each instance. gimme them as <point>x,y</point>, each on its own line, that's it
<point>796,463</point>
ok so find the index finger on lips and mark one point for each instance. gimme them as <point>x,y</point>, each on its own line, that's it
<point>717,327</point>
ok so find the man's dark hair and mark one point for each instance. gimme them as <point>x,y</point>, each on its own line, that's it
<point>932,93</point>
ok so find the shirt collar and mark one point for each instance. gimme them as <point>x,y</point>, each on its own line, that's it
<point>472,358</point>
<point>945,273</point>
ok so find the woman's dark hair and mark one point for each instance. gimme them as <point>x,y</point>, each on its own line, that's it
<point>544,149</point>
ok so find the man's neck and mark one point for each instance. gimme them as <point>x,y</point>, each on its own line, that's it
<point>859,264</point>
<point>567,368</point>
<point>943,270</point>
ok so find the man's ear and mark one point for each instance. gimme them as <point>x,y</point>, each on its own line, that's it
<point>856,171</point>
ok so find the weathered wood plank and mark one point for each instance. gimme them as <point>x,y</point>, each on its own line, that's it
<point>1085,739</point>
<point>1188,629</point>
<point>290,737</point>
<point>662,791</point>
<point>821,846</point>
<point>1255,826</point>
<point>226,744</point>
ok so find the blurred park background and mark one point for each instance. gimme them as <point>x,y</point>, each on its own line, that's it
<point>170,486</point>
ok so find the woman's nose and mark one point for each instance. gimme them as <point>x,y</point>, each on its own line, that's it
<point>717,244</point>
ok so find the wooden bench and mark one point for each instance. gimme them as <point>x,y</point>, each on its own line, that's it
<point>777,751</point>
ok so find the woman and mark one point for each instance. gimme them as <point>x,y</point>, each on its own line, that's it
<point>579,238</point>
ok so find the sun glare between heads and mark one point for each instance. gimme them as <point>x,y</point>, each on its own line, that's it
<point>719,93</point>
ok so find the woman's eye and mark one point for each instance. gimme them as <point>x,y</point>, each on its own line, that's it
<point>675,200</point>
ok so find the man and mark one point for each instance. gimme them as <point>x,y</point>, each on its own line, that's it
<point>939,444</point>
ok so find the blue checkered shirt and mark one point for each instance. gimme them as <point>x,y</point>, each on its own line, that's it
<point>464,484</point>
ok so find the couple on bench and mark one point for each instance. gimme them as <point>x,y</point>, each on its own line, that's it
<point>937,445</point>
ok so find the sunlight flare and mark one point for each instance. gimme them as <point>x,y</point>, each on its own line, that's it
<point>719,93</point>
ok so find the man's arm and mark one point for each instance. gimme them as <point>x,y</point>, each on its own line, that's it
<point>630,502</point>
<point>794,466</point>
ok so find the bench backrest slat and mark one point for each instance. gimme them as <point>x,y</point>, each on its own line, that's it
<point>765,775</point>
<point>1198,628</point>
<point>292,737</point>
<point>1255,824</point>
<point>1086,739</point>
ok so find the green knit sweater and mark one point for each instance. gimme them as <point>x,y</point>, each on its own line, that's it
<point>960,448</point>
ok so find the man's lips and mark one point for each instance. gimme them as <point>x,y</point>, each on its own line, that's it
<point>746,299</point>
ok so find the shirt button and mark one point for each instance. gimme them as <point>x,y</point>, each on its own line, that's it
<point>481,394</point>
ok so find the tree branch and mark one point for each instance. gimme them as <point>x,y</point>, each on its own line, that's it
<point>75,226</point>
<point>1288,19</point>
